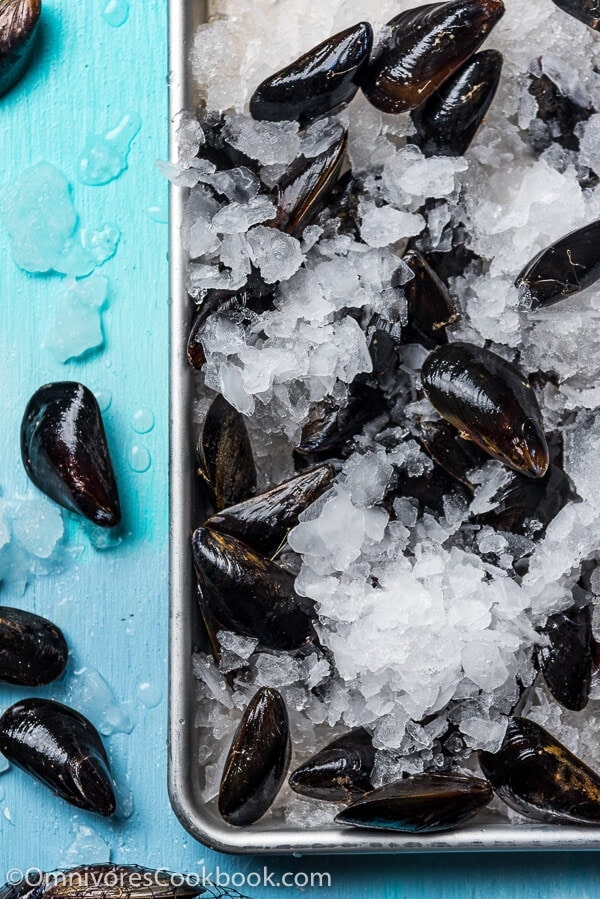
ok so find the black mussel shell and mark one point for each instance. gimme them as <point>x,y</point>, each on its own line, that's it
<point>586,11</point>
<point>527,506</point>
<point>564,268</point>
<point>490,402</point>
<point>385,340</point>
<point>568,660</point>
<point>264,521</point>
<point>245,592</point>
<point>428,489</point>
<point>65,452</point>
<point>423,803</point>
<point>246,303</point>
<point>225,455</point>
<point>540,778</point>
<point>340,771</point>
<point>108,881</point>
<point>447,122</point>
<point>559,113</point>
<point>457,457</point>
<point>329,425</point>
<point>62,749</point>
<point>343,205</point>
<point>321,81</point>
<point>430,306</point>
<point>303,191</point>
<point>258,760</point>
<point>428,45</point>
<point>19,21</point>
<point>33,651</point>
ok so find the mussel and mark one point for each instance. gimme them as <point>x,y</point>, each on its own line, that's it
<point>562,269</point>
<point>108,881</point>
<point>33,651</point>
<point>427,46</point>
<point>385,340</point>
<point>526,506</point>
<point>447,122</point>
<point>330,425</point>
<point>568,659</point>
<point>19,21</point>
<point>586,11</point>
<point>62,749</point>
<point>65,451</point>
<point>245,592</point>
<point>457,457</point>
<point>423,803</point>
<point>559,113</point>
<point>253,299</point>
<point>264,521</point>
<point>430,306</point>
<point>340,771</point>
<point>489,401</point>
<point>258,760</point>
<point>321,81</point>
<point>225,455</point>
<point>540,778</point>
<point>304,189</point>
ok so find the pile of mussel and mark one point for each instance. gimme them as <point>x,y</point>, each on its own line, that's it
<point>66,455</point>
<point>428,65</point>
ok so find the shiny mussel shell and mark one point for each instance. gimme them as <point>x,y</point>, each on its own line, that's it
<point>568,660</point>
<point>245,592</point>
<point>252,299</point>
<point>559,112</point>
<point>33,651</point>
<point>340,771</point>
<point>430,306</point>
<point>564,268</point>
<point>225,455</point>
<point>424,803</point>
<point>258,760</point>
<point>428,44</point>
<point>65,452</point>
<point>18,26</point>
<point>447,123</point>
<point>264,521</point>
<point>587,11</point>
<point>304,190</point>
<point>319,82</point>
<point>489,401</point>
<point>540,778</point>
<point>104,881</point>
<point>330,424</point>
<point>62,749</point>
<point>526,506</point>
<point>457,457</point>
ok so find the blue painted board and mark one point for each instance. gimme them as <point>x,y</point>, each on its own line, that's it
<point>113,604</point>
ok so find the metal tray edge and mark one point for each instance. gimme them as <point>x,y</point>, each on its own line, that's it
<point>183,16</point>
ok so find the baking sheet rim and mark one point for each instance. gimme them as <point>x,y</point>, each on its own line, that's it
<point>184,15</point>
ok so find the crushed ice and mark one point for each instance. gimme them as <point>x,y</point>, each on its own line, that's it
<point>420,621</point>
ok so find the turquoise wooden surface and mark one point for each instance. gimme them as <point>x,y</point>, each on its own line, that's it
<point>113,604</point>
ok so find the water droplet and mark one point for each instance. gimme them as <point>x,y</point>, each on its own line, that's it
<point>104,398</point>
<point>149,694</point>
<point>116,12</point>
<point>143,421</point>
<point>159,213</point>
<point>4,764</point>
<point>139,458</point>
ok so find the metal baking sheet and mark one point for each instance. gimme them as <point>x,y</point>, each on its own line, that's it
<point>484,833</point>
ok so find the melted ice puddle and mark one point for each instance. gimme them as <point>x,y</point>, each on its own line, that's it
<point>104,157</point>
